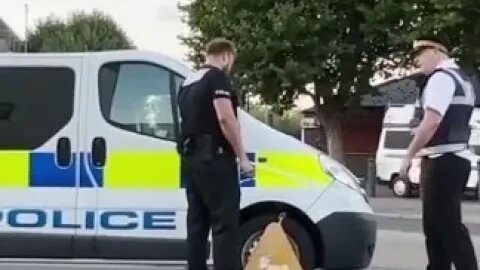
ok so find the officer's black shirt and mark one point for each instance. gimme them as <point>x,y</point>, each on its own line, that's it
<point>195,100</point>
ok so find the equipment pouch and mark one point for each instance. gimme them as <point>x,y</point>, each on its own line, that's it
<point>185,146</point>
<point>205,147</point>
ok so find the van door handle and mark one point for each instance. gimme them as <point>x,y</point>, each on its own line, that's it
<point>99,152</point>
<point>64,152</point>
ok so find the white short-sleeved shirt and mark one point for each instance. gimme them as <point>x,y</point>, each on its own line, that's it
<point>438,94</point>
<point>440,89</point>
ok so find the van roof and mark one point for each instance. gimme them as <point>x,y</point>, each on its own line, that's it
<point>89,53</point>
<point>129,54</point>
<point>398,115</point>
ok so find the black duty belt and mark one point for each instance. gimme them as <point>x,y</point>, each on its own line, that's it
<point>206,144</point>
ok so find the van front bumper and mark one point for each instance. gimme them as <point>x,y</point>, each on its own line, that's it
<point>348,240</point>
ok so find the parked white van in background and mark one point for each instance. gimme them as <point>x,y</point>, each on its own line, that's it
<point>392,148</point>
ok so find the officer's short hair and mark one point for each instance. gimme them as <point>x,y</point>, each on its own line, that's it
<point>219,45</point>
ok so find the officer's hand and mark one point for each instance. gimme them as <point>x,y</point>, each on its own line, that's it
<point>406,164</point>
<point>246,165</point>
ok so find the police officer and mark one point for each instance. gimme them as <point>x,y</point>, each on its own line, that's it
<point>210,144</point>
<point>447,100</point>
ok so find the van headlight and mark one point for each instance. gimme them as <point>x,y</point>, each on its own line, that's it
<point>340,173</point>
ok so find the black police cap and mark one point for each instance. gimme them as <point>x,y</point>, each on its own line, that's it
<point>430,41</point>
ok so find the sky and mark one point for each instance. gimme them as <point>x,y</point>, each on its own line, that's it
<point>151,24</point>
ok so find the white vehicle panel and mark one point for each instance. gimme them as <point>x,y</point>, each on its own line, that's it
<point>338,198</point>
<point>31,209</point>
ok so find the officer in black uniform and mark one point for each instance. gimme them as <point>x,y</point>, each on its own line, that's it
<point>441,140</point>
<point>209,144</point>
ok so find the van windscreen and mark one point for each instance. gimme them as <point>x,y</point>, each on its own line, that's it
<point>397,139</point>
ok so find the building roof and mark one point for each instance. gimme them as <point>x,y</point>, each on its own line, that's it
<point>6,32</point>
<point>398,91</point>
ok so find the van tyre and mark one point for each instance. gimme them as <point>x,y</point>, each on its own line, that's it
<point>252,229</point>
<point>401,187</point>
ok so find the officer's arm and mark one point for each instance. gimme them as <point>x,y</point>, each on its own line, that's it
<point>229,125</point>
<point>438,95</point>
<point>222,101</point>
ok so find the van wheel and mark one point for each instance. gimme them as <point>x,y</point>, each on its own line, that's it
<point>300,240</point>
<point>401,187</point>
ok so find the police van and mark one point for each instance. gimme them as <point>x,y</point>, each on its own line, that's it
<point>394,140</point>
<point>89,169</point>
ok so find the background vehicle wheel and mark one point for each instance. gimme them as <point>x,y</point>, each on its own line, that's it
<point>251,230</point>
<point>401,187</point>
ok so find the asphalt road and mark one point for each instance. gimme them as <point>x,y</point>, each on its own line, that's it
<point>400,244</point>
<point>396,250</point>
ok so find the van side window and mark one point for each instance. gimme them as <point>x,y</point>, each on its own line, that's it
<point>137,97</point>
<point>476,149</point>
<point>398,140</point>
<point>35,104</point>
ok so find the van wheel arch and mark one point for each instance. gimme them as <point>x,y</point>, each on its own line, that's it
<point>392,177</point>
<point>275,208</point>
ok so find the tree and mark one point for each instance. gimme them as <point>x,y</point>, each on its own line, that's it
<point>288,122</point>
<point>80,32</point>
<point>456,21</point>
<point>336,46</point>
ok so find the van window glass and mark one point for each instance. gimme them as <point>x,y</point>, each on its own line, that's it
<point>35,103</point>
<point>397,139</point>
<point>178,83</point>
<point>137,97</point>
<point>476,149</point>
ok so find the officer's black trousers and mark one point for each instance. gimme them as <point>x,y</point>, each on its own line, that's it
<point>443,181</point>
<point>213,195</point>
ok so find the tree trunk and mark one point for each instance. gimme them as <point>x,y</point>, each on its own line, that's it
<point>333,129</point>
<point>331,119</point>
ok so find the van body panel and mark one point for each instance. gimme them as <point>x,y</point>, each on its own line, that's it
<point>39,152</point>
<point>396,136</point>
<point>119,195</point>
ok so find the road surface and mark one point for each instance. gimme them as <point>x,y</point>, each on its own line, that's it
<point>396,250</point>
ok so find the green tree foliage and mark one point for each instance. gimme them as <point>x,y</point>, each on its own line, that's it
<point>457,22</point>
<point>285,45</point>
<point>288,122</point>
<point>82,31</point>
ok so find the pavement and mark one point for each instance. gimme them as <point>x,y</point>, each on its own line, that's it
<point>398,250</point>
<point>400,240</point>
<point>405,214</point>
<point>400,244</point>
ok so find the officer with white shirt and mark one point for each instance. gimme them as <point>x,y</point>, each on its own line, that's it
<point>447,100</point>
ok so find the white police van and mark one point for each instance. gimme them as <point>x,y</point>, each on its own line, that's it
<point>392,148</point>
<point>89,169</point>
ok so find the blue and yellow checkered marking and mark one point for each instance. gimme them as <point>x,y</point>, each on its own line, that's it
<point>45,173</point>
<point>148,170</point>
